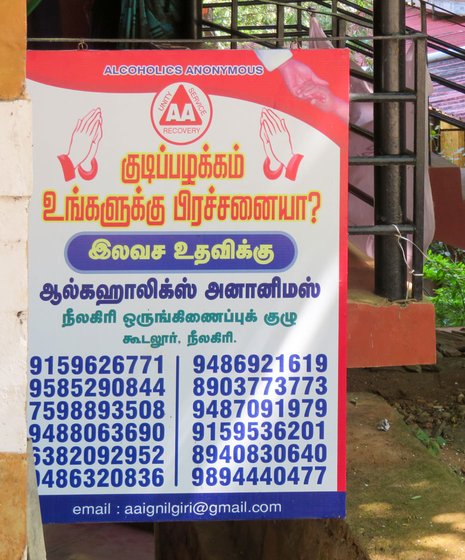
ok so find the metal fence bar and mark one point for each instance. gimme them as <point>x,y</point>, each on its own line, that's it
<point>234,22</point>
<point>300,26</point>
<point>451,85</point>
<point>198,19</point>
<point>174,43</point>
<point>362,131</point>
<point>361,195</point>
<point>446,118</point>
<point>280,25</point>
<point>383,161</point>
<point>382,97</point>
<point>385,230</point>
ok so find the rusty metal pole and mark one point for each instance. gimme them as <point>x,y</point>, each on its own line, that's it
<point>192,11</point>
<point>338,26</point>
<point>280,27</point>
<point>234,22</point>
<point>422,154</point>
<point>389,133</point>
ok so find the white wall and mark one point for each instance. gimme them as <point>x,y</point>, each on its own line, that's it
<point>15,191</point>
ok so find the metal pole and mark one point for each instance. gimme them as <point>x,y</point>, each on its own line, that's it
<point>197,10</point>
<point>299,25</point>
<point>334,22</point>
<point>339,26</point>
<point>192,19</point>
<point>280,26</point>
<point>389,76</point>
<point>234,17</point>
<point>422,153</point>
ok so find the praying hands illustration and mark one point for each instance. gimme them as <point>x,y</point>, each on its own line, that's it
<point>83,147</point>
<point>277,145</point>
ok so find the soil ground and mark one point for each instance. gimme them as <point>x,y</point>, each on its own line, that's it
<point>406,491</point>
<point>431,398</point>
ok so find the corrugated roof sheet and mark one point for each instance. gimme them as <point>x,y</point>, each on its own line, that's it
<point>451,30</point>
<point>448,100</point>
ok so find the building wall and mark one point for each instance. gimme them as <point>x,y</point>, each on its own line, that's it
<point>453,144</point>
<point>15,190</point>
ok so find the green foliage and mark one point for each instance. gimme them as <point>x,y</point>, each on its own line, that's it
<point>445,267</point>
<point>263,16</point>
<point>455,156</point>
<point>433,444</point>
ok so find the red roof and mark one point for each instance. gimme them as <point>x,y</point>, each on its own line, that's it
<point>452,30</point>
<point>443,98</point>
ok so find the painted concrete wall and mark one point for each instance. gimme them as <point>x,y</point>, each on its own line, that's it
<point>12,48</point>
<point>15,190</point>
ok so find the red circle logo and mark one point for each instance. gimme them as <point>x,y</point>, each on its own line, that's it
<point>181,113</point>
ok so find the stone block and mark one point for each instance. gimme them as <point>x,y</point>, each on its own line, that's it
<point>13,502</point>
<point>13,275</point>
<point>15,147</point>
<point>13,219</point>
<point>13,383</point>
<point>12,48</point>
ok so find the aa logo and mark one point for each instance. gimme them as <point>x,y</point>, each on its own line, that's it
<point>181,110</point>
<point>181,113</point>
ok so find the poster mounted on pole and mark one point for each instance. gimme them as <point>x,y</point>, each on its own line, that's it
<point>188,284</point>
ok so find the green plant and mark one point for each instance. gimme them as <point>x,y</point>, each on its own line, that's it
<point>433,444</point>
<point>445,268</point>
<point>434,136</point>
<point>263,15</point>
<point>454,156</point>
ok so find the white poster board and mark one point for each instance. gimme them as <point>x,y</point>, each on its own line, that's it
<point>188,284</point>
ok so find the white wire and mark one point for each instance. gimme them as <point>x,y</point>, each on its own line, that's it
<point>400,238</point>
<point>411,270</point>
